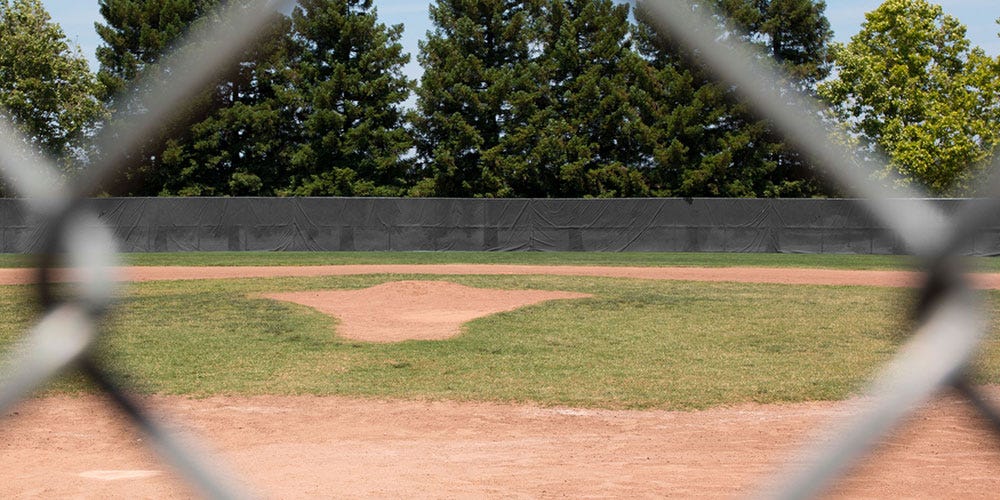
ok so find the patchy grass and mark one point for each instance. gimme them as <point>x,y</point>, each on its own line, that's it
<point>635,344</point>
<point>640,259</point>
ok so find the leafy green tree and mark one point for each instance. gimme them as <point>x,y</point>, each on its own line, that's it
<point>909,84</point>
<point>702,141</point>
<point>572,131</point>
<point>352,90</point>
<point>474,61</point>
<point>46,88</point>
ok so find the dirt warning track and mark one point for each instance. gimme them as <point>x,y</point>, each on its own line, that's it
<point>794,276</point>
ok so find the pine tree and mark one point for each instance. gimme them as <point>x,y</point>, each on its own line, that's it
<point>707,143</point>
<point>135,34</point>
<point>573,134</point>
<point>245,142</point>
<point>474,62</point>
<point>352,89</point>
<point>232,139</point>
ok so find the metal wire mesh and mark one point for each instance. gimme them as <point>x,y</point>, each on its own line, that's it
<point>952,325</point>
<point>951,322</point>
<point>62,338</point>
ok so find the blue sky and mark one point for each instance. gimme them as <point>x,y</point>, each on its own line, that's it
<point>77,18</point>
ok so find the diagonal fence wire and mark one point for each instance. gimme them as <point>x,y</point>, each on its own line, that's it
<point>64,336</point>
<point>950,330</point>
<point>952,327</point>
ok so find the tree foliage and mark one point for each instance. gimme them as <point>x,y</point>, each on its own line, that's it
<point>704,141</point>
<point>351,84</point>
<point>910,84</point>
<point>311,108</point>
<point>46,88</point>
<point>574,128</point>
<point>545,98</point>
<point>474,61</point>
<point>241,141</point>
<point>135,34</point>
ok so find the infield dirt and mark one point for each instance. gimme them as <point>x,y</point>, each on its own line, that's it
<point>331,447</point>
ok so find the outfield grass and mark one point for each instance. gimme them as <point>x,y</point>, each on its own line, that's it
<point>635,344</point>
<point>655,259</point>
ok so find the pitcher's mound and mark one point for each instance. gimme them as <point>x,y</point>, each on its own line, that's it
<point>414,310</point>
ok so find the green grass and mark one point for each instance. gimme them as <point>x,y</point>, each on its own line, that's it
<point>635,344</point>
<point>542,258</point>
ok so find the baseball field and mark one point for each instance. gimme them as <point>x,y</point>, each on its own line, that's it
<point>494,375</point>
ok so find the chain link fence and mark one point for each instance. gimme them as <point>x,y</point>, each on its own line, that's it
<point>951,323</point>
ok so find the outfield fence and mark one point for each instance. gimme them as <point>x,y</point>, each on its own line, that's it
<point>423,224</point>
<point>66,231</point>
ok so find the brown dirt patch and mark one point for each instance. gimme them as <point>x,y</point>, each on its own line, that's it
<point>731,274</point>
<point>794,276</point>
<point>414,310</point>
<point>300,446</point>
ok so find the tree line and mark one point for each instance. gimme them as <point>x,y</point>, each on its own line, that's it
<point>538,98</point>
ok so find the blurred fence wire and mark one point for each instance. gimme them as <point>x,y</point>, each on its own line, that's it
<point>70,324</point>
<point>951,324</point>
<point>949,333</point>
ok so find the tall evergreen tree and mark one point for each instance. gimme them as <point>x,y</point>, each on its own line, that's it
<point>245,142</point>
<point>232,139</point>
<point>473,62</point>
<point>134,34</point>
<point>710,144</point>
<point>574,132</point>
<point>352,90</point>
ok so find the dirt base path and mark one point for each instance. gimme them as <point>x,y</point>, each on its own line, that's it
<point>294,447</point>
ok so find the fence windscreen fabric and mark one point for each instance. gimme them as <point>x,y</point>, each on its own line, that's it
<point>425,224</point>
